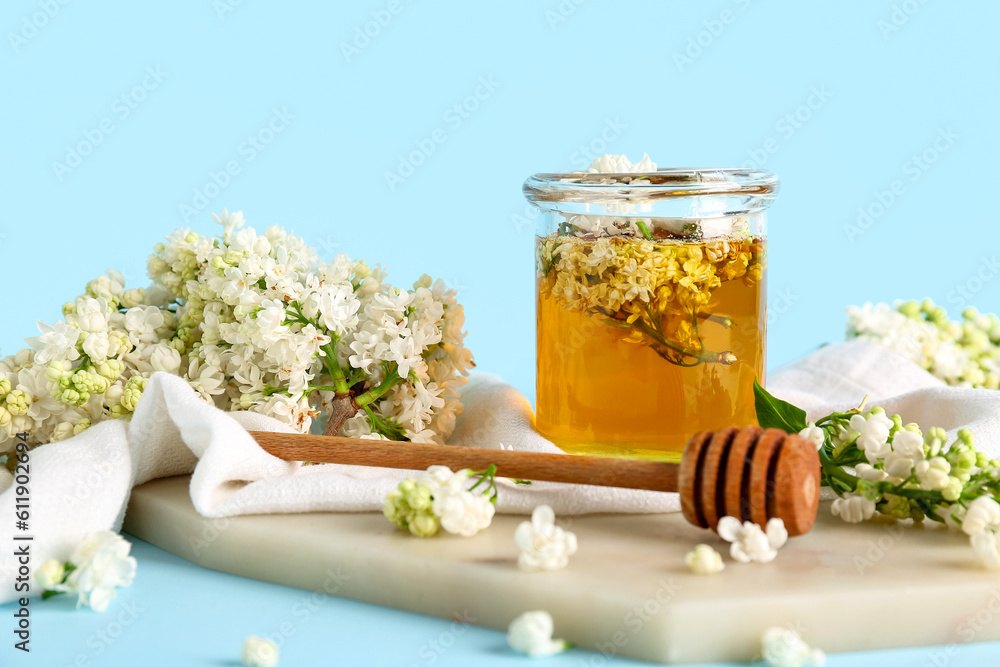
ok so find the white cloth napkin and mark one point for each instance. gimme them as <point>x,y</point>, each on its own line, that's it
<point>82,484</point>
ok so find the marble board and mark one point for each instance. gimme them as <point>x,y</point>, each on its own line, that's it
<point>626,592</point>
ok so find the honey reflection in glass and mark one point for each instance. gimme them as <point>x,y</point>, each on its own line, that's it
<point>643,343</point>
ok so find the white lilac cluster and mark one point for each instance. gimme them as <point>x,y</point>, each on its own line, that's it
<point>877,464</point>
<point>438,499</point>
<point>95,570</point>
<point>543,544</point>
<point>89,366</point>
<point>965,353</point>
<point>531,634</point>
<point>253,322</point>
<point>900,470</point>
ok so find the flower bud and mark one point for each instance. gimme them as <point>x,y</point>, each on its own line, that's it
<point>953,490</point>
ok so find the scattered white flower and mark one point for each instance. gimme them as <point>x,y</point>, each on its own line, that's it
<point>983,514</point>
<point>462,512</point>
<point>543,545</point>
<point>101,565</point>
<point>531,633</point>
<point>6,479</point>
<point>814,433</point>
<point>749,542</point>
<point>986,546</point>
<point>259,652</point>
<point>783,647</point>
<point>705,560</point>
<point>438,499</point>
<point>853,508</point>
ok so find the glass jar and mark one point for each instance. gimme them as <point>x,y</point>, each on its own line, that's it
<point>651,312</point>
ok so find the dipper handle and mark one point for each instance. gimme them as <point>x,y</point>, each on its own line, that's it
<point>749,473</point>
<point>596,470</point>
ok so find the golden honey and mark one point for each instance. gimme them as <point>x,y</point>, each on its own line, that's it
<point>643,342</point>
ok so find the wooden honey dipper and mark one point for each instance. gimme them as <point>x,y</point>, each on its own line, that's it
<point>748,473</point>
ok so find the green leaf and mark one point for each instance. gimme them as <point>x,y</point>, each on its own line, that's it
<point>775,413</point>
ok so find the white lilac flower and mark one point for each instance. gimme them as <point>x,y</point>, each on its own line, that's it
<point>749,542</point>
<point>259,652</point>
<point>97,346</point>
<point>983,514</point>
<point>703,559</point>
<point>907,452</point>
<point>873,435</point>
<point>531,633</point>
<point>986,546</point>
<point>783,647</point>
<point>932,475</point>
<point>543,545</point>
<point>165,358</point>
<point>814,434</point>
<point>91,314</point>
<point>853,508</point>
<point>101,565</point>
<point>50,574</point>
<point>57,341</point>
<point>463,513</point>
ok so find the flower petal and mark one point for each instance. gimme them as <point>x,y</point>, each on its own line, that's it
<point>777,535</point>
<point>729,528</point>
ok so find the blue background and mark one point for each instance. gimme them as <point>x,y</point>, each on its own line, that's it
<point>903,128</point>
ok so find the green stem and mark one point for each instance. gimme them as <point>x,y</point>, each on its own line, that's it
<point>388,428</point>
<point>702,356</point>
<point>340,385</point>
<point>834,472</point>
<point>391,379</point>
<point>488,475</point>
<point>646,234</point>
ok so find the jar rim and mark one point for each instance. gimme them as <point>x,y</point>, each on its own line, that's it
<point>581,186</point>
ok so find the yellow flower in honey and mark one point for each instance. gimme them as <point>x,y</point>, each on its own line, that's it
<point>658,293</point>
